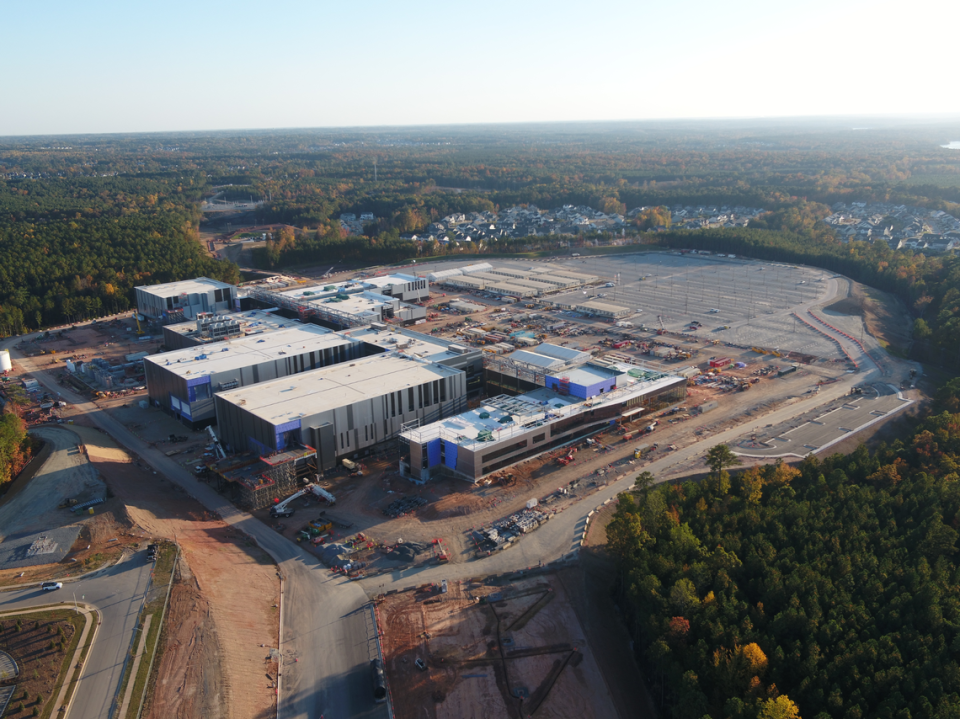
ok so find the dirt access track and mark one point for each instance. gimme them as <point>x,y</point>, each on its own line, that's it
<point>511,651</point>
<point>223,614</point>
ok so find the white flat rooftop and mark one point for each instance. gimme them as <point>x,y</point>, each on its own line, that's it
<point>537,408</point>
<point>289,398</point>
<point>589,374</point>
<point>417,344</point>
<point>170,289</point>
<point>234,354</point>
<point>357,304</point>
<point>316,292</point>
<point>548,355</point>
<point>388,280</point>
<point>251,322</point>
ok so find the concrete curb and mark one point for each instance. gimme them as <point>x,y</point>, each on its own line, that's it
<point>280,643</point>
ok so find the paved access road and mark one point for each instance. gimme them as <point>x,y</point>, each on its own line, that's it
<point>326,633</point>
<point>117,593</point>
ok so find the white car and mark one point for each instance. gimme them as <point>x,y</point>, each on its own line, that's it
<point>51,586</point>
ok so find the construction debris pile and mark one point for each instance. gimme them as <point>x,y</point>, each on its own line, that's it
<point>407,551</point>
<point>503,532</point>
<point>404,505</point>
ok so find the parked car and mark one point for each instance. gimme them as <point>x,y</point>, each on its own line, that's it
<point>51,586</point>
<point>421,665</point>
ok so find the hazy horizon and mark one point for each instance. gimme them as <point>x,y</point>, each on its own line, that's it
<point>113,68</point>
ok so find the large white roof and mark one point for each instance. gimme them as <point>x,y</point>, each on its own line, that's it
<point>291,398</point>
<point>416,344</point>
<point>215,357</point>
<point>171,289</point>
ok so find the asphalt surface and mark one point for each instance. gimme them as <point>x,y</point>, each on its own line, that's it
<point>118,593</point>
<point>825,430</point>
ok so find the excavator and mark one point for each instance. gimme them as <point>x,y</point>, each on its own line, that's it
<point>283,509</point>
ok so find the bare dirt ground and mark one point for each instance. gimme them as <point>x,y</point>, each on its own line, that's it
<point>224,608</point>
<point>885,316</point>
<point>190,674</point>
<point>511,651</point>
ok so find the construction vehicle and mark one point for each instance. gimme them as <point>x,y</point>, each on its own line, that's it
<point>567,458</point>
<point>354,468</point>
<point>221,454</point>
<point>283,509</point>
<point>662,330</point>
<point>640,451</point>
<point>136,317</point>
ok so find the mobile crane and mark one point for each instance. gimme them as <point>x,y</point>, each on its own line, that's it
<point>283,509</point>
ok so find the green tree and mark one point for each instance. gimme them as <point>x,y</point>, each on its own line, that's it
<point>643,483</point>
<point>718,458</point>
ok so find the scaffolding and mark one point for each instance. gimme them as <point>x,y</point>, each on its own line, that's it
<point>256,481</point>
<point>306,311</point>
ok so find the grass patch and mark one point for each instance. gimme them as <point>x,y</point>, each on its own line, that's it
<point>162,578</point>
<point>31,646</point>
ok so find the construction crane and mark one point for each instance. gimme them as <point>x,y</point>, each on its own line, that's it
<point>136,316</point>
<point>216,443</point>
<point>662,330</point>
<point>281,509</point>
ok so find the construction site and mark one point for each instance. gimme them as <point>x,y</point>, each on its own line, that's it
<point>476,649</point>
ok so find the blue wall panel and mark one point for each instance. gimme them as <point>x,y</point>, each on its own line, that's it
<point>450,454</point>
<point>433,452</point>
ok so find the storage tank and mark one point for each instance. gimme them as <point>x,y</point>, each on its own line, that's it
<point>5,364</point>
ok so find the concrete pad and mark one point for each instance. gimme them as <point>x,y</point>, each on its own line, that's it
<point>47,547</point>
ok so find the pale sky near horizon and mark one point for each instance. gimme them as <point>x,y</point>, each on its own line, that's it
<point>109,66</point>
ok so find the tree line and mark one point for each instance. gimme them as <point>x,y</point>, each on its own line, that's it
<point>832,586</point>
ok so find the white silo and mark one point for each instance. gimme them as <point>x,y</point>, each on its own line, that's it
<point>5,364</point>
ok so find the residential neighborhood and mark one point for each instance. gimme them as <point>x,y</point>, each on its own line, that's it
<point>529,220</point>
<point>900,226</point>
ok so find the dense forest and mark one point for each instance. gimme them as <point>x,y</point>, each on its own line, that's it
<point>74,248</point>
<point>834,584</point>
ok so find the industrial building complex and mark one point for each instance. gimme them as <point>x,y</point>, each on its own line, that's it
<point>565,396</point>
<point>302,378</point>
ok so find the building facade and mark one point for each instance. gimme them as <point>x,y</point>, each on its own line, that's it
<point>347,410</point>
<point>179,301</point>
<point>183,383</point>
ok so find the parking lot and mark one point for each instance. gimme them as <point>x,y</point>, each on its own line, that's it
<point>825,427</point>
<point>742,302</point>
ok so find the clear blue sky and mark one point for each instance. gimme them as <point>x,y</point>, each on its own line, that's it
<point>104,66</point>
